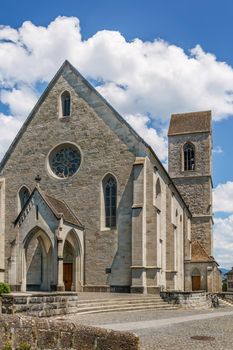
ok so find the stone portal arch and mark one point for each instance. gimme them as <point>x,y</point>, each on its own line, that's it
<point>72,262</point>
<point>37,267</point>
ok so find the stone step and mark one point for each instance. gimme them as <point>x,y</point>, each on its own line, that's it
<point>124,301</point>
<point>118,299</point>
<point>118,308</point>
<point>225,302</point>
<point>112,306</point>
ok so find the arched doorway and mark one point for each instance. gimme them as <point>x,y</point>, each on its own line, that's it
<point>196,279</point>
<point>72,269</point>
<point>37,262</point>
<point>68,266</point>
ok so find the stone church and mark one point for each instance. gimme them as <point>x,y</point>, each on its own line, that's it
<point>86,205</point>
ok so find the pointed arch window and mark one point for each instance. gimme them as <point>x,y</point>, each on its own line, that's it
<point>189,157</point>
<point>24,194</point>
<point>110,200</point>
<point>65,103</point>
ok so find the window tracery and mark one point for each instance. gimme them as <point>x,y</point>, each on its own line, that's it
<point>189,157</point>
<point>65,161</point>
<point>110,199</point>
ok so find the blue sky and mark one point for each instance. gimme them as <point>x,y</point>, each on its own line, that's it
<point>184,23</point>
<point>190,41</point>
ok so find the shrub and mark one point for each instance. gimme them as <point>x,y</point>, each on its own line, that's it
<point>7,346</point>
<point>24,346</point>
<point>224,286</point>
<point>4,288</point>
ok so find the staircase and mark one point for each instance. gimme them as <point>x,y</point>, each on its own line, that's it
<point>128,302</point>
<point>225,302</point>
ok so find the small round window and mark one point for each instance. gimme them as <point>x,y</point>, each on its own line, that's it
<point>65,160</point>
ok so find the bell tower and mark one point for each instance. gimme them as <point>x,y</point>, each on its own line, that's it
<point>190,167</point>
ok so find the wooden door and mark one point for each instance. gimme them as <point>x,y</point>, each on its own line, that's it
<point>196,282</point>
<point>68,275</point>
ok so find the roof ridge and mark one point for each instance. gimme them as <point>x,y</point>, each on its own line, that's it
<point>193,112</point>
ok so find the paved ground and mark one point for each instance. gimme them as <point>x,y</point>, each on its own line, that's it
<point>170,329</point>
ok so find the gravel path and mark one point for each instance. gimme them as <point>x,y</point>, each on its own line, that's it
<point>170,329</point>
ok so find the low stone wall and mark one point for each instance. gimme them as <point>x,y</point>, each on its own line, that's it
<point>226,296</point>
<point>187,300</point>
<point>40,304</point>
<point>33,333</point>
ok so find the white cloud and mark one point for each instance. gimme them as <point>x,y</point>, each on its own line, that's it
<point>157,77</point>
<point>223,241</point>
<point>20,100</point>
<point>139,78</point>
<point>223,197</point>
<point>223,227</point>
<point>218,150</point>
<point>149,134</point>
<point>9,126</point>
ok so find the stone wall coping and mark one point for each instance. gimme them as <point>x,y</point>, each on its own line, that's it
<point>184,292</point>
<point>38,294</point>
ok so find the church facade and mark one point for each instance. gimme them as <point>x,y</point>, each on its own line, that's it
<point>86,205</point>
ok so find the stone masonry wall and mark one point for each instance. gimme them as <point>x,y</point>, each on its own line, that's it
<point>107,146</point>
<point>196,192</point>
<point>102,152</point>
<point>19,332</point>
<point>40,305</point>
<point>195,186</point>
<point>203,164</point>
<point>187,300</point>
<point>201,230</point>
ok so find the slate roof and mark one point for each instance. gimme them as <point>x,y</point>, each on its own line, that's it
<point>199,254</point>
<point>58,207</point>
<point>187,123</point>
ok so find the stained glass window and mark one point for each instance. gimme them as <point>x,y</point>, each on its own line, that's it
<point>110,191</point>
<point>65,161</point>
<point>189,157</point>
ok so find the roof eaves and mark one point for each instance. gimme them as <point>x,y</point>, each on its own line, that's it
<point>30,116</point>
<point>188,133</point>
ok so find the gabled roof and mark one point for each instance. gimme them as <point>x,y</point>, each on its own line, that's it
<point>65,65</point>
<point>138,138</point>
<point>189,123</point>
<point>59,208</point>
<point>198,253</point>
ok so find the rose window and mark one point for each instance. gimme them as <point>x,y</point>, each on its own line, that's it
<point>65,161</point>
